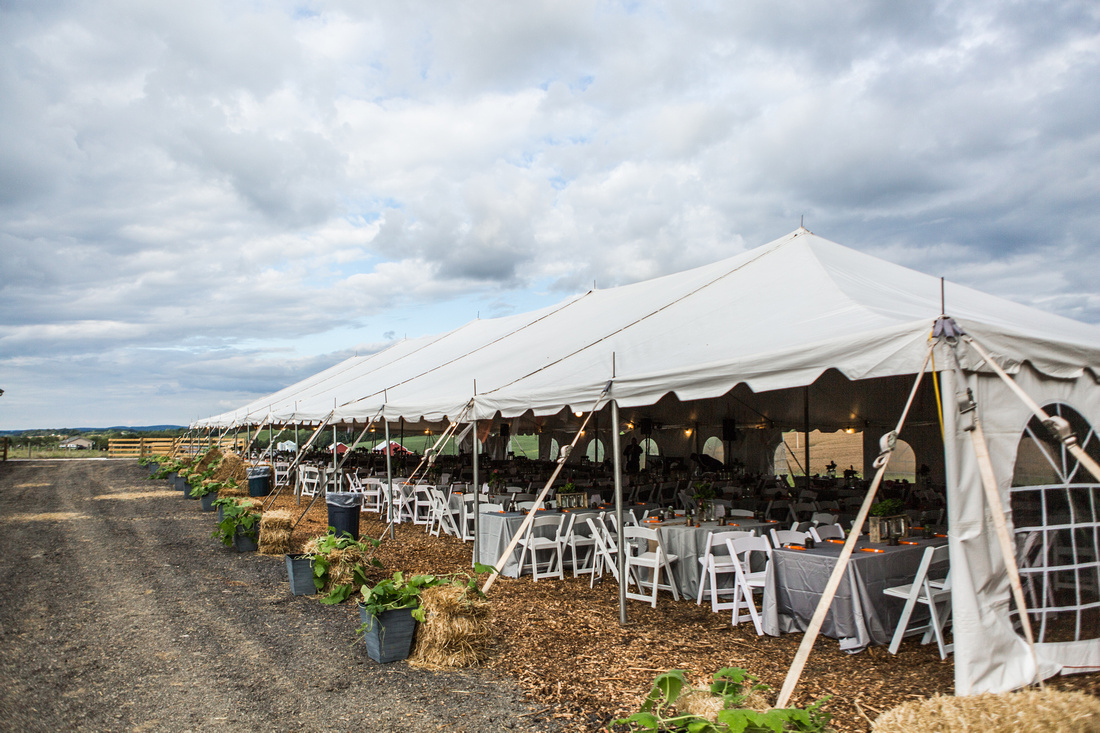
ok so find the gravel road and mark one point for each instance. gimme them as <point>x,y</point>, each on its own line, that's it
<point>119,612</point>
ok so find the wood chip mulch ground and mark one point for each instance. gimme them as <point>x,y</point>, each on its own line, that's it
<point>564,644</point>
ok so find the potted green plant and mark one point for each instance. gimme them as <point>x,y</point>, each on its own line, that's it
<point>339,564</point>
<point>704,495</point>
<point>390,611</point>
<point>238,524</point>
<point>570,496</point>
<point>208,492</point>
<point>888,519</point>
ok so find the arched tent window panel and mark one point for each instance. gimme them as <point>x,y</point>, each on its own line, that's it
<point>595,451</point>
<point>555,450</point>
<point>715,448</point>
<point>903,464</point>
<point>1056,512</point>
<point>650,452</point>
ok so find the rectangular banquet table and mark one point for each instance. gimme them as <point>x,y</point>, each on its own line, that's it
<point>860,614</point>
<point>496,530</point>
<point>690,543</point>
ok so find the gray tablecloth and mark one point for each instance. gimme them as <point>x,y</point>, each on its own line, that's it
<point>860,614</point>
<point>496,531</point>
<point>690,543</point>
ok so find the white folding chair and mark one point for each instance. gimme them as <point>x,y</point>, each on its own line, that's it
<point>715,565</point>
<point>372,494</point>
<point>802,511</point>
<point>742,513</point>
<point>606,550</point>
<point>442,517</point>
<point>468,513</point>
<point>636,544</point>
<point>309,482</point>
<point>524,506</point>
<point>422,505</point>
<point>582,548</point>
<point>534,542</point>
<point>782,537</point>
<point>827,532</point>
<point>820,518</point>
<point>747,580</point>
<point>928,592</point>
<point>282,469</point>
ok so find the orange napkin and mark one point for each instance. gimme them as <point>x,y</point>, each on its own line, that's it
<point>800,548</point>
<point>942,535</point>
<point>907,542</point>
<point>836,542</point>
<point>871,549</point>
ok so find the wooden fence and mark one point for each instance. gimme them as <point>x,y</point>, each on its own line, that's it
<point>140,447</point>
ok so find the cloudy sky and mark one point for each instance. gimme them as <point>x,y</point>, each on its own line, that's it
<point>202,202</point>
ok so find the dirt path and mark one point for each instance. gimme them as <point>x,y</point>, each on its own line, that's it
<point>118,612</point>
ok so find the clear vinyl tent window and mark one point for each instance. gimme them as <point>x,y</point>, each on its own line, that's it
<point>595,451</point>
<point>1056,513</point>
<point>715,448</point>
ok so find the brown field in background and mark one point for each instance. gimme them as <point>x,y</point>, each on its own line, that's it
<point>843,448</point>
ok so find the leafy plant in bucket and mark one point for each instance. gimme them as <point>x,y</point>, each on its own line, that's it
<point>731,689</point>
<point>398,592</point>
<point>242,515</point>
<point>207,487</point>
<point>323,550</point>
<point>887,508</point>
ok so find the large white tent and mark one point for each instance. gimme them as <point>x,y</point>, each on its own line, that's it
<point>800,329</point>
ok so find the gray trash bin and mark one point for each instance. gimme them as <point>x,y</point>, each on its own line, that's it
<point>259,481</point>
<point>343,512</point>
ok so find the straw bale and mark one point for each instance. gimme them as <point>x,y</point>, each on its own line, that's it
<point>700,702</point>
<point>275,531</point>
<point>456,631</point>
<point>208,458</point>
<point>704,703</point>
<point>232,468</point>
<point>1046,710</point>
<point>234,490</point>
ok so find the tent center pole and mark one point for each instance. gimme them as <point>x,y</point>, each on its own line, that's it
<point>616,453</point>
<point>806,430</point>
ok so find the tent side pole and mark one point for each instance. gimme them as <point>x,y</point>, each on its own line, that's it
<point>389,473</point>
<point>477,496</point>
<point>616,451</point>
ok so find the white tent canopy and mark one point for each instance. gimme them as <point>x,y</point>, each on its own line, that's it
<point>775,317</point>
<point>796,312</point>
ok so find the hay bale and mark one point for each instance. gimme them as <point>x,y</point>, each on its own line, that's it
<point>1046,710</point>
<point>232,490</point>
<point>704,703</point>
<point>231,468</point>
<point>275,531</point>
<point>208,459</point>
<point>456,631</point>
